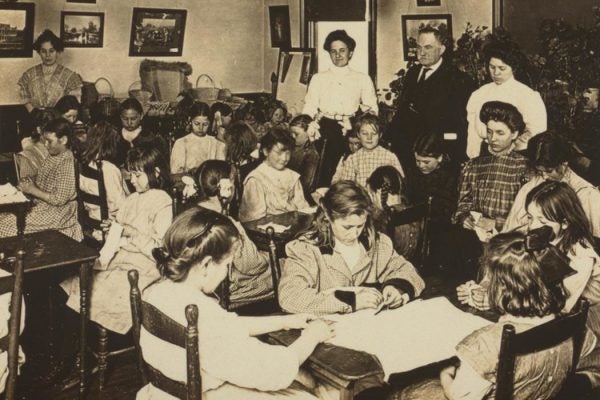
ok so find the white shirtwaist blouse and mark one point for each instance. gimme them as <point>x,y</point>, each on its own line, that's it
<point>340,91</point>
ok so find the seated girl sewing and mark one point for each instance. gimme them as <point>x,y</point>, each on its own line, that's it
<point>272,188</point>
<point>195,258</point>
<point>53,188</point>
<point>250,276</point>
<point>341,264</point>
<point>142,220</point>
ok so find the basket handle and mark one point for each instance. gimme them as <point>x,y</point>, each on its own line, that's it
<point>209,78</point>
<point>112,92</point>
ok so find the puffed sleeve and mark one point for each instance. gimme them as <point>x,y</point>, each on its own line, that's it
<point>395,270</point>
<point>298,287</point>
<point>64,190</point>
<point>253,205</point>
<point>590,201</point>
<point>465,195</point>
<point>474,135</point>
<point>115,187</point>
<point>74,83</point>
<point>311,100</point>
<point>535,116</point>
<point>220,151</point>
<point>230,354</point>
<point>299,199</point>
<point>368,97</point>
<point>161,220</point>
<point>24,91</point>
<point>178,157</point>
<point>517,215</point>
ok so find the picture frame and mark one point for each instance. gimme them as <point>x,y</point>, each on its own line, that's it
<point>429,3</point>
<point>295,67</point>
<point>82,29</point>
<point>17,20</point>
<point>279,23</point>
<point>410,30</point>
<point>157,32</point>
<point>82,1</point>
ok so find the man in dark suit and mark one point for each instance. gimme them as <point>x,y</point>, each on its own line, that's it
<point>433,100</point>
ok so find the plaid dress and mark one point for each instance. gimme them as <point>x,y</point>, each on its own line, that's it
<point>56,176</point>
<point>360,165</point>
<point>489,184</point>
<point>34,89</point>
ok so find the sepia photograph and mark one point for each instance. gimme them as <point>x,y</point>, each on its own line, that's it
<point>300,200</point>
<point>16,29</point>
<point>157,32</point>
<point>82,29</point>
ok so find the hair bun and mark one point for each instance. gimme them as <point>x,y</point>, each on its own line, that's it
<point>160,255</point>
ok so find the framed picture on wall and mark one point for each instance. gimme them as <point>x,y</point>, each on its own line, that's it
<point>82,1</point>
<point>82,29</point>
<point>279,22</point>
<point>157,32</point>
<point>16,29</point>
<point>429,3</point>
<point>410,30</point>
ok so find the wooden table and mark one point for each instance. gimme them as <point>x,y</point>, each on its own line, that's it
<point>297,221</point>
<point>20,210</point>
<point>52,251</point>
<point>343,367</point>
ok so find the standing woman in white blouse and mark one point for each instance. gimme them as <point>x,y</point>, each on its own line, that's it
<point>502,60</point>
<point>336,95</point>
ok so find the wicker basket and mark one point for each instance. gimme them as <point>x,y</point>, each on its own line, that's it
<point>138,92</point>
<point>102,93</point>
<point>206,94</point>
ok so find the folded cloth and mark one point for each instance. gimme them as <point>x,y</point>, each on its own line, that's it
<point>8,190</point>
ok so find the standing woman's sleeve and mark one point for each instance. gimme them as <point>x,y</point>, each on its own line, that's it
<point>368,97</point>
<point>311,100</point>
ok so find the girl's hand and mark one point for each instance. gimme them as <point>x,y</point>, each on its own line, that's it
<point>480,298</point>
<point>469,223</point>
<point>105,225</point>
<point>368,298</point>
<point>463,291</point>
<point>26,185</point>
<point>319,331</point>
<point>392,297</point>
<point>297,321</point>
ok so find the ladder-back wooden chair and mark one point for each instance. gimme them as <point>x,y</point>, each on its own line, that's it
<point>89,224</point>
<point>537,339</point>
<point>10,343</point>
<point>165,328</point>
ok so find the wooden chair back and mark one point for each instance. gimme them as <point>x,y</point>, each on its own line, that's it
<point>165,328</point>
<point>100,200</point>
<point>537,339</point>
<point>178,202</point>
<point>417,213</point>
<point>10,343</point>
<point>274,263</point>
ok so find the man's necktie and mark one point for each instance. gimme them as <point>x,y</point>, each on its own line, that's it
<point>424,72</point>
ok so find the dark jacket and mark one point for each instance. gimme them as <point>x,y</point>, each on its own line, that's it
<point>436,105</point>
<point>441,184</point>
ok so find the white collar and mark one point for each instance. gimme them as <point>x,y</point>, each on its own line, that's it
<point>131,135</point>
<point>340,70</point>
<point>434,67</point>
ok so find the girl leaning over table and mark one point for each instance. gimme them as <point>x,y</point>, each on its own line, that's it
<point>194,259</point>
<point>52,189</point>
<point>525,296</point>
<point>342,264</point>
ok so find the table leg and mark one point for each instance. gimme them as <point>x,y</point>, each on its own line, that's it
<point>84,278</point>
<point>20,214</point>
